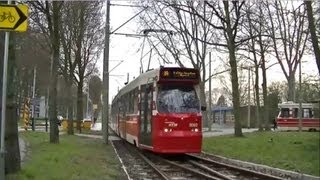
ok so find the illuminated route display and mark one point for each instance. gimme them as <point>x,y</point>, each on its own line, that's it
<point>179,74</point>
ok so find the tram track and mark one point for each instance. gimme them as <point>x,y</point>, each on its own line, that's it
<point>196,167</point>
<point>226,171</point>
<point>136,166</point>
<point>147,165</point>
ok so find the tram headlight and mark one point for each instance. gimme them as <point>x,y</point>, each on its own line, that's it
<point>195,130</point>
<point>166,130</point>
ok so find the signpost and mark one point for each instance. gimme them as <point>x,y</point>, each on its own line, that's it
<point>12,18</point>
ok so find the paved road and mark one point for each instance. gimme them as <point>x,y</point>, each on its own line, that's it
<point>225,131</point>
<point>23,150</point>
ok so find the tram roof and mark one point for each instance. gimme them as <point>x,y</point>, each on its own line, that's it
<point>144,78</point>
<point>291,104</point>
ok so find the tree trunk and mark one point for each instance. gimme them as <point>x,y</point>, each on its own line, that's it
<point>234,72</point>
<point>54,131</point>
<point>12,157</point>
<point>265,92</point>
<point>312,29</point>
<point>235,91</point>
<point>291,87</point>
<point>20,97</point>
<point>70,109</point>
<point>79,104</point>
<point>256,69</point>
<point>256,86</point>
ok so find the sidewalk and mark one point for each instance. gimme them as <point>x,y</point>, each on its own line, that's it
<point>224,131</point>
<point>23,150</point>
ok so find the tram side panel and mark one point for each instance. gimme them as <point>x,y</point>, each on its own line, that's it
<point>288,117</point>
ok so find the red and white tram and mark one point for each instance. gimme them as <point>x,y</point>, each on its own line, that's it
<point>160,111</point>
<point>288,118</point>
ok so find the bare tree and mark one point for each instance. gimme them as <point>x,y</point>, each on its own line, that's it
<point>226,23</point>
<point>186,38</point>
<point>258,46</point>
<point>289,34</point>
<point>312,29</point>
<point>88,43</point>
<point>252,29</point>
<point>95,86</point>
<point>46,17</point>
<point>230,18</point>
<point>68,64</point>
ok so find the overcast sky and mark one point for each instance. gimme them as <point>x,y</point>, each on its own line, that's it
<point>127,51</point>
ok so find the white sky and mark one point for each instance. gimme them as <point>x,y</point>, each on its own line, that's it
<point>128,50</point>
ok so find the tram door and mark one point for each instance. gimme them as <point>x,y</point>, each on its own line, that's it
<point>146,114</point>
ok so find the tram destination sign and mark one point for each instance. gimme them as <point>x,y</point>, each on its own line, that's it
<point>179,73</point>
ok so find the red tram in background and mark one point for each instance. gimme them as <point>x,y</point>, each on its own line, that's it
<point>160,111</point>
<point>288,118</point>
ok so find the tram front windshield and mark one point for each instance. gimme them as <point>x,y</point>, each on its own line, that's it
<point>177,99</point>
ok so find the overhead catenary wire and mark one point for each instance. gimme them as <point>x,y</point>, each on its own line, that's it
<point>126,5</point>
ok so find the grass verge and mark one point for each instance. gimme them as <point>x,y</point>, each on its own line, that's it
<point>294,151</point>
<point>73,158</point>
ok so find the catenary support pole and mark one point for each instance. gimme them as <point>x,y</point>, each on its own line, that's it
<point>210,95</point>
<point>105,92</point>
<point>33,97</point>
<point>3,104</point>
<point>87,113</point>
<point>249,105</point>
<point>300,99</point>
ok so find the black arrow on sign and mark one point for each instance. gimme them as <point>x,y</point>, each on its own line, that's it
<point>21,19</point>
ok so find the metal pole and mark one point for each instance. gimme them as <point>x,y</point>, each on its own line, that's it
<point>210,95</point>
<point>300,103</point>
<point>105,92</point>
<point>249,107</point>
<point>33,96</point>
<point>47,105</point>
<point>4,103</point>
<point>88,102</point>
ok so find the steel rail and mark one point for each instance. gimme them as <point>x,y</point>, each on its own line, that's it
<point>154,167</point>
<point>216,173</point>
<point>243,170</point>
<point>192,170</point>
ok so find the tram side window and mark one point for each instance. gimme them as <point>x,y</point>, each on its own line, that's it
<point>127,102</point>
<point>122,107</point>
<point>295,113</point>
<point>285,112</point>
<point>130,99</point>
<point>307,113</point>
<point>135,100</point>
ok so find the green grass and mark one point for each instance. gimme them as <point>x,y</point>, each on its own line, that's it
<point>289,150</point>
<point>73,158</point>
